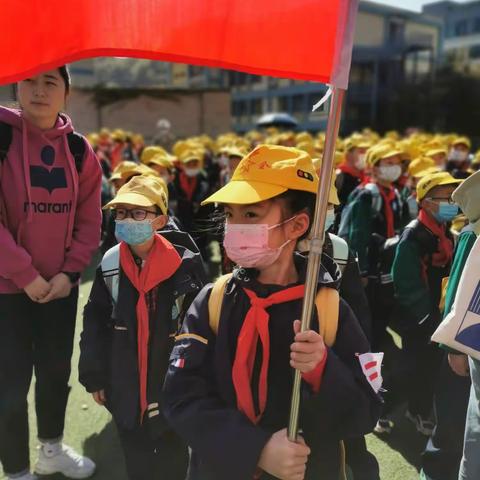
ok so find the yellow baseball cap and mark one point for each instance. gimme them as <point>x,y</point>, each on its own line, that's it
<point>189,155</point>
<point>428,182</point>
<point>462,141</point>
<point>420,164</point>
<point>142,191</point>
<point>436,151</point>
<point>266,172</point>
<point>379,152</point>
<point>139,169</point>
<point>150,152</point>
<point>163,160</point>
<point>233,151</point>
<point>333,194</point>
<point>121,168</point>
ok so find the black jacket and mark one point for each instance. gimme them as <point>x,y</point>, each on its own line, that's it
<point>352,290</point>
<point>416,281</point>
<point>200,401</point>
<point>108,346</point>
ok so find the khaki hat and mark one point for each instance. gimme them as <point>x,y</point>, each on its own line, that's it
<point>467,197</point>
<point>142,191</point>
<point>266,172</point>
<point>428,182</point>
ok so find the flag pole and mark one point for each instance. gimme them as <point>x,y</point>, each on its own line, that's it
<point>317,240</point>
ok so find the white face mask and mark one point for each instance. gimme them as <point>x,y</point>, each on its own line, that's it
<point>192,172</point>
<point>361,162</point>
<point>389,173</point>
<point>458,155</point>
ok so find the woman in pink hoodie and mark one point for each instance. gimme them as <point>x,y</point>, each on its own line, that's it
<point>50,220</point>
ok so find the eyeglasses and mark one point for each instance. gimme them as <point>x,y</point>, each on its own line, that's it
<point>440,199</point>
<point>138,214</point>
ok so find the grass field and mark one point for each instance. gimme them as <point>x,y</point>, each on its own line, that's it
<point>89,430</point>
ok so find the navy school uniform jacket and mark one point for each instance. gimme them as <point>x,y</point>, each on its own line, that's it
<point>200,401</point>
<point>108,345</point>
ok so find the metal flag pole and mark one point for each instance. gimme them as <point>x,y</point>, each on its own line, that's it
<point>317,241</point>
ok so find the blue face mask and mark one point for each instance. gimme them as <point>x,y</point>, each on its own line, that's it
<point>446,212</point>
<point>329,221</point>
<point>133,232</point>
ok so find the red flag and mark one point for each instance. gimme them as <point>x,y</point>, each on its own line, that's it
<point>301,39</point>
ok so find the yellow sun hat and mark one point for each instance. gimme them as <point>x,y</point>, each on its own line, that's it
<point>266,172</point>
<point>142,191</point>
<point>428,182</point>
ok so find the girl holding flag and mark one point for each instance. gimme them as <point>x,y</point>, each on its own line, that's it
<point>228,387</point>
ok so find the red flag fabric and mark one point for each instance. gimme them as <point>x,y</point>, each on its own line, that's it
<point>299,39</point>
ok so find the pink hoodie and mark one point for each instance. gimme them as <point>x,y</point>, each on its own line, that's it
<point>50,217</point>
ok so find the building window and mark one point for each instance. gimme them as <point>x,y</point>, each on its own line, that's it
<point>255,78</point>
<point>298,103</point>
<point>257,106</point>
<point>461,28</point>
<point>475,52</point>
<point>476,25</point>
<point>239,108</point>
<point>283,104</point>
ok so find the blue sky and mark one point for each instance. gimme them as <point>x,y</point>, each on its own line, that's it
<point>410,4</point>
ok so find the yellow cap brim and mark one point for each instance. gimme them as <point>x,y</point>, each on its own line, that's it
<point>129,198</point>
<point>240,192</point>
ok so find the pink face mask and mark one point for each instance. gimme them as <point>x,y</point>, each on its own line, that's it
<point>247,245</point>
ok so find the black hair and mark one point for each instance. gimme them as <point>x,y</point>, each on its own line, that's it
<point>65,74</point>
<point>299,201</point>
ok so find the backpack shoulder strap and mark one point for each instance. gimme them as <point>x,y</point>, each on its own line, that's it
<point>6,135</point>
<point>328,309</point>
<point>111,271</point>
<point>216,300</point>
<point>76,144</point>
<point>340,251</point>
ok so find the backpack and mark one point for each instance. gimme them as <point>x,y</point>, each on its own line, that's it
<point>327,303</point>
<point>76,144</point>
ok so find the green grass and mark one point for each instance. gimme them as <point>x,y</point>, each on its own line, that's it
<point>90,431</point>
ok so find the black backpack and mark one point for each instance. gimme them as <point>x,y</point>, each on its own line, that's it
<point>76,144</point>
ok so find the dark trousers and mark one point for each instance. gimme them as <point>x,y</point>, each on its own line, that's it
<point>414,377</point>
<point>33,337</point>
<point>165,458</point>
<point>363,464</point>
<point>380,300</point>
<point>443,453</point>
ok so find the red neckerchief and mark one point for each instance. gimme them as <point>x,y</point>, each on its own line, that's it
<point>162,262</point>
<point>346,168</point>
<point>254,327</point>
<point>444,255</point>
<point>388,195</point>
<point>188,185</point>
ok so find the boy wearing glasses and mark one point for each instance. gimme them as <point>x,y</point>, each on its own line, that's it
<point>138,298</point>
<point>423,259</point>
